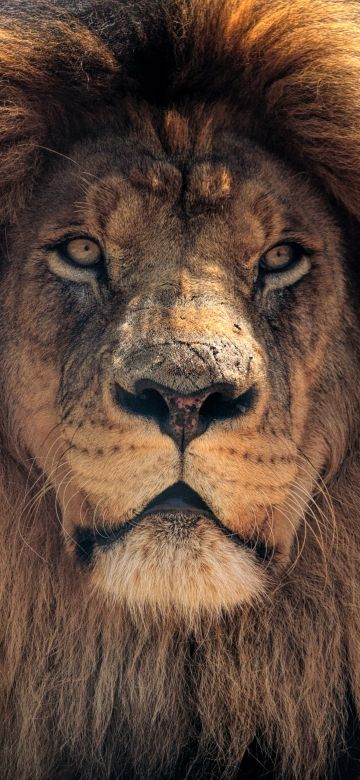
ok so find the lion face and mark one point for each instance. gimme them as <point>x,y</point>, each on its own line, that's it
<point>171,298</point>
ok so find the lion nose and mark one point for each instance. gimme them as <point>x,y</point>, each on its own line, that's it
<point>184,417</point>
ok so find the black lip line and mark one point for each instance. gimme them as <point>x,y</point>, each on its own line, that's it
<point>262,551</point>
<point>86,539</point>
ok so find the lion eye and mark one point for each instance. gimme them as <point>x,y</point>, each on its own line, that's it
<point>284,265</point>
<point>278,257</point>
<point>82,251</point>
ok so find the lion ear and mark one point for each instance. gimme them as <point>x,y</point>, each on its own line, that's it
<point>52,72</point>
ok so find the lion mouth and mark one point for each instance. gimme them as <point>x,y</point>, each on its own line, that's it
<point>178,500</point>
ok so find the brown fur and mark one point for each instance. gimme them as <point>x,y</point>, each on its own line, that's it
<point>112,121</point>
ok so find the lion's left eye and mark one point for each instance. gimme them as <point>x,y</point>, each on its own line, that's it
<point>280,257</point>
<point>283,265</point>
<point>82,251</point>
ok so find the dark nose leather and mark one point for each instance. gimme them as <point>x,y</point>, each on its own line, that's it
<point>184,417</point>
<point>184,421</point>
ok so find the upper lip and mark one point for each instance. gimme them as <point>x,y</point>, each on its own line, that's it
<point>177,498</point>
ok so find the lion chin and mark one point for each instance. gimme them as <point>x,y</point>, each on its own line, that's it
<point>175,555</point>
<point>180,374</point>
<point>171,566</point>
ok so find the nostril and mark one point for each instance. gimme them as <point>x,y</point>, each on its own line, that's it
<point>153,404</point>
<point>246,401</point>
<point>184,416</point>
<point>219,406</point>
<point>148,403</point>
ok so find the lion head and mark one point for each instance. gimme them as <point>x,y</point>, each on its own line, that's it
<point>180,402</point>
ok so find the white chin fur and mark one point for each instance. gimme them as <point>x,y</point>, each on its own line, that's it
<point>189,570</point>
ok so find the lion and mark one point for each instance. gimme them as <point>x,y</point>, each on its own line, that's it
<point>180,479</point>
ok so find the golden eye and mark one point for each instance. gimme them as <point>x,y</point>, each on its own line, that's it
<point>82,251</point>
<point>279,257</point>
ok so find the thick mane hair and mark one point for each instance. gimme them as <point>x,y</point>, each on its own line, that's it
<point>284,672</point>
<point>291,69</point>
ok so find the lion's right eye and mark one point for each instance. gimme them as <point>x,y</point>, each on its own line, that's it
<point>82,251</point>
<point>79,259</point>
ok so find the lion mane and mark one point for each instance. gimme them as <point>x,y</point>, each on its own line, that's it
<point>96,692</point>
